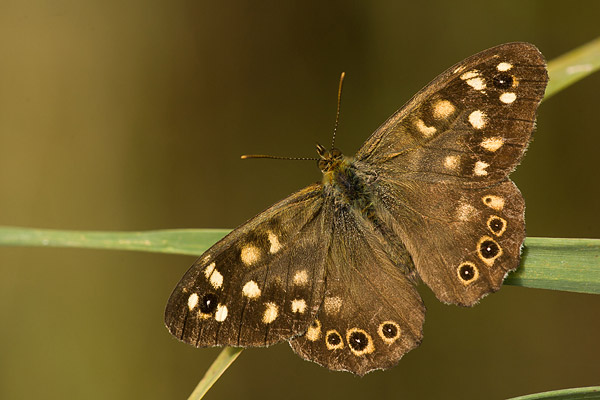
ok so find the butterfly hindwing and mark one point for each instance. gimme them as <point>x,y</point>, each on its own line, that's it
<point>464,246</point>
<point>372,313</point>
<point>261,284</point>
<point>448,150</point>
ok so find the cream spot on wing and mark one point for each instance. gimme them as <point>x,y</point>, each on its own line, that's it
<point>275,245</point>
<point>424,129</point>
<point>216,279</point>
<point>508,97</point>
<point>221,313</point>
<point>492,143</point>
<point>201,315</point>
<point>298,306</point>
<point>301,278</point>
<point>476,83</point>
<point>443,109</point>
<point>251,290</point>
<point>271,313</point>
<point>250,254</point>
<point>469,75</point>
<point>451,162</point>
<point>314,331</point>
<point>495,202</point>
<point>465,212</point>
<point>332,305</point>
<point>480,167</point>
<point>504,66</point>
<point>192,301</point>
<point>209,270</point>
<point>458,69</point>
<point>478,119</point>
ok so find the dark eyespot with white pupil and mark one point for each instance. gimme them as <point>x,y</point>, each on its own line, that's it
<point>390,331</point>
<point>334,339</point>
<point>503,81</point>
<point>496,225</point>
<point>358,341</point>
<point>489,249</point>
<point>466,272</point>
<point>208,304</point>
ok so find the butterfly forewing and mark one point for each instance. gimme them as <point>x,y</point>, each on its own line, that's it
<point>260,284</point>
<point>469,126</point>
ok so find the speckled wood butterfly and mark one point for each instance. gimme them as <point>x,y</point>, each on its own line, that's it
<point>333,268</point>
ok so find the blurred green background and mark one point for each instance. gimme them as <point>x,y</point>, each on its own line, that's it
<point>132,115</point>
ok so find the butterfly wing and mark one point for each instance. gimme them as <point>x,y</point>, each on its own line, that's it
<point>260,284</point>
<point>442,164</point>
<point>371,313</point>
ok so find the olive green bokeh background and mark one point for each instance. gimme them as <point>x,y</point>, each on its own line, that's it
<point>133,115</point>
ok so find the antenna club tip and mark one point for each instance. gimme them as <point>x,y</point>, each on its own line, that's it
<point>243,156</point>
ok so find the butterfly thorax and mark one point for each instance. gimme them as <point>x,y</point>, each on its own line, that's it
<point>349,186</point>
<point>345,182</point>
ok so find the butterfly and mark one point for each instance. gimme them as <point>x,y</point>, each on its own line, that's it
<point>333,268</point>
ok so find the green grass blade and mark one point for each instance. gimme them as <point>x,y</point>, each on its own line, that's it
<point>548,263</point>
<point>176,241</point>
<point>559,264</point>
<point>592,392</point>
<point>572,67</point>
<point>221,363</point>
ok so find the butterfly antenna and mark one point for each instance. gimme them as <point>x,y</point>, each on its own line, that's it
<point>247,156</point>
<point>337,122</point>
<point>337,114</point>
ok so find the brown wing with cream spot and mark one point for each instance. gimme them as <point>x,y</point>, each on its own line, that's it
<point>462,242</point>
<point>443,161</point>
<point>260,284</point>
<point>371,314</point>
<point>470,126</point>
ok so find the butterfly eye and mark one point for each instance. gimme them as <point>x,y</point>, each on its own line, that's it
<point>323,164</point>
<point>336,153</point>
<point>503,81</point>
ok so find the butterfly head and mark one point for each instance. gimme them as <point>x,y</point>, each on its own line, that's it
<point>328,159</point>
